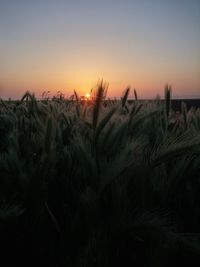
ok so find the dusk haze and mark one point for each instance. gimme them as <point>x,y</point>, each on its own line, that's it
<point>100,133</point>
<point>66,45</point>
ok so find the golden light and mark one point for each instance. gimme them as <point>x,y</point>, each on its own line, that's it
<point>87,96</point>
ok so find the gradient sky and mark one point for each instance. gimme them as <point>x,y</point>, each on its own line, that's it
<point>66,45</point>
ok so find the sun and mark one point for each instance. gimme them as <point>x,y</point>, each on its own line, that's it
<point>87,96</point>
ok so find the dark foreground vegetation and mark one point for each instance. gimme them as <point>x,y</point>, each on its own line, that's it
<point>99,183</point>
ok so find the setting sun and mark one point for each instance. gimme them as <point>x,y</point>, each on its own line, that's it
<point>136,44</point>
<point>100,133</point>
<point>87,96</point>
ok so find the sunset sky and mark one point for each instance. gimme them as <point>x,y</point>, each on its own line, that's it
<point>66,45</point>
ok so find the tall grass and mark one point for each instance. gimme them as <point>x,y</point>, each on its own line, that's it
<point>104,183</point>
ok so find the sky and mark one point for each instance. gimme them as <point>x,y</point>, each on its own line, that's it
<point>59,45</point>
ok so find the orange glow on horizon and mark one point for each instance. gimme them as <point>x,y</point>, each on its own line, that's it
<point>141,44</point>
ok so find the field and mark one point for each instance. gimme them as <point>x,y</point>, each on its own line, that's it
<point>99,183</point>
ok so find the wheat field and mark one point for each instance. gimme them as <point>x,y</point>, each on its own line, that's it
<point>99,183</point>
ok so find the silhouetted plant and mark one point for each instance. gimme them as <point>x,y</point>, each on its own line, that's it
<point>107,183</point>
